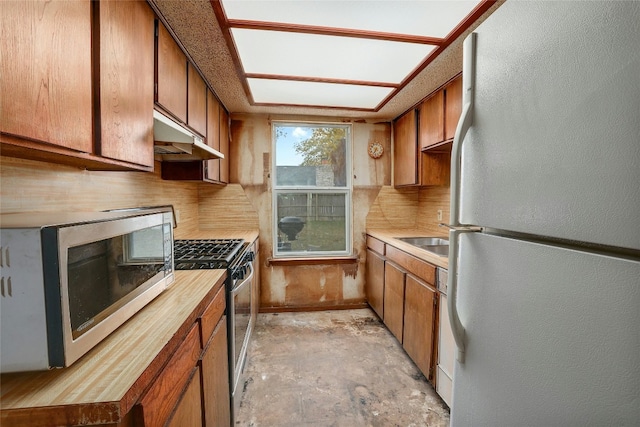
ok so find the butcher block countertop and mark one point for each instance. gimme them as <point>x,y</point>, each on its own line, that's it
<point>390,236</point>
<point>105,383</point>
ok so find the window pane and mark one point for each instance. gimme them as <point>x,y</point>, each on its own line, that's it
<point>311,156</point>
<point>311,222</point>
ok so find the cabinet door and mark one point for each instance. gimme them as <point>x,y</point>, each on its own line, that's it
<point>394,299</point>
<point>189,409</point>
<point>46,72</point>
<point>126,81</point>
<point>212,171</point>
<point>197,101</point>
<point>159,402</point>
<point>431,128</point>
<point>419,324</point>
<point>453,107</point>
<point>172,75</point>
<point>374,282</point>
<point>405,151</point>
<point>224,145</point>
<point>435,168</point>
<point>215,378</point>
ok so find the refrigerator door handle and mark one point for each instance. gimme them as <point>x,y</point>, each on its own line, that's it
<point>466,119</point>
<point>457,329</point>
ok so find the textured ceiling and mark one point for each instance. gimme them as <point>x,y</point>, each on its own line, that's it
<point>194,24</point>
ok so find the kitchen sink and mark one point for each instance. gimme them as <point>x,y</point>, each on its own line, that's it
<point>424,241</point>
<point>435,245</point>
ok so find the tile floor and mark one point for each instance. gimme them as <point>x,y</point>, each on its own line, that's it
<point>333,368</point>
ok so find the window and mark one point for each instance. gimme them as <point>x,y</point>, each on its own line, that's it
<point>312,190</point>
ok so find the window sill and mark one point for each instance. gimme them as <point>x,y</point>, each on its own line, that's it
<point>313,261</point>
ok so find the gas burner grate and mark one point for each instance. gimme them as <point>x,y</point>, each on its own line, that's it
<point>195,254</point>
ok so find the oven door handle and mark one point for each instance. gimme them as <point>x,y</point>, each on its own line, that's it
<point>247,279</point>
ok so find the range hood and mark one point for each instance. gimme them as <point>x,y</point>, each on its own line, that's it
<point>175,143</point>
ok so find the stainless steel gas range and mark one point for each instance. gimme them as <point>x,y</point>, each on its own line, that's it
<point>237,256</point>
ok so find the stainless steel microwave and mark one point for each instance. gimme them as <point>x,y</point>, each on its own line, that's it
<point>70,279</point>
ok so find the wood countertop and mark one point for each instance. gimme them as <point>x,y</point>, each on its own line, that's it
<point>390,236</point>
<point>105,383</point>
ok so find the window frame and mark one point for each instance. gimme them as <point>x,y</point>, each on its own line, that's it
<point>347,190</point>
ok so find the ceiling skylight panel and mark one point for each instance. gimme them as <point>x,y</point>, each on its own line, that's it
<point>316,94</point>
<point>418,17</point>
<point>330,57</point>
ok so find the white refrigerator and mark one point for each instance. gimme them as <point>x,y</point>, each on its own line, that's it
<point>544,267</point>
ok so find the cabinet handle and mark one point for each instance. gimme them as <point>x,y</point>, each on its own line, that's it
<point>455,227</point>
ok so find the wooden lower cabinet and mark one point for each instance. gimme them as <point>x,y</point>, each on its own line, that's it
<point>403,287</point>
<point>374,282</point>
<point>215,379</point>
<point>161,400</point>
<point>166,366</point>
<point>394,299</point>
<point>419,324</point>
<point>189,411</point>
<point>193,387</point>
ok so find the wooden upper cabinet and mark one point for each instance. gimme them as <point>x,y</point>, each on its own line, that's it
<point>439,115</point>
<point>213,121</point>
<point>172,75</point>
<point>45,73</point>
<point>453,107</point>
<point>212,171</point>
<point>126,81</point>
<point>405,152</point>
<point>432,120</point>
<point>225,138</point>
<point>197,98</point>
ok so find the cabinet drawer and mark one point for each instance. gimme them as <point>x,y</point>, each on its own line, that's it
<point>212,315</point>
<point>158,403</point>
<point>375,244</point>
<point>422,269</point>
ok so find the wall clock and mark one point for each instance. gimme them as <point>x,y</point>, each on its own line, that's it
<point>375,150</point>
